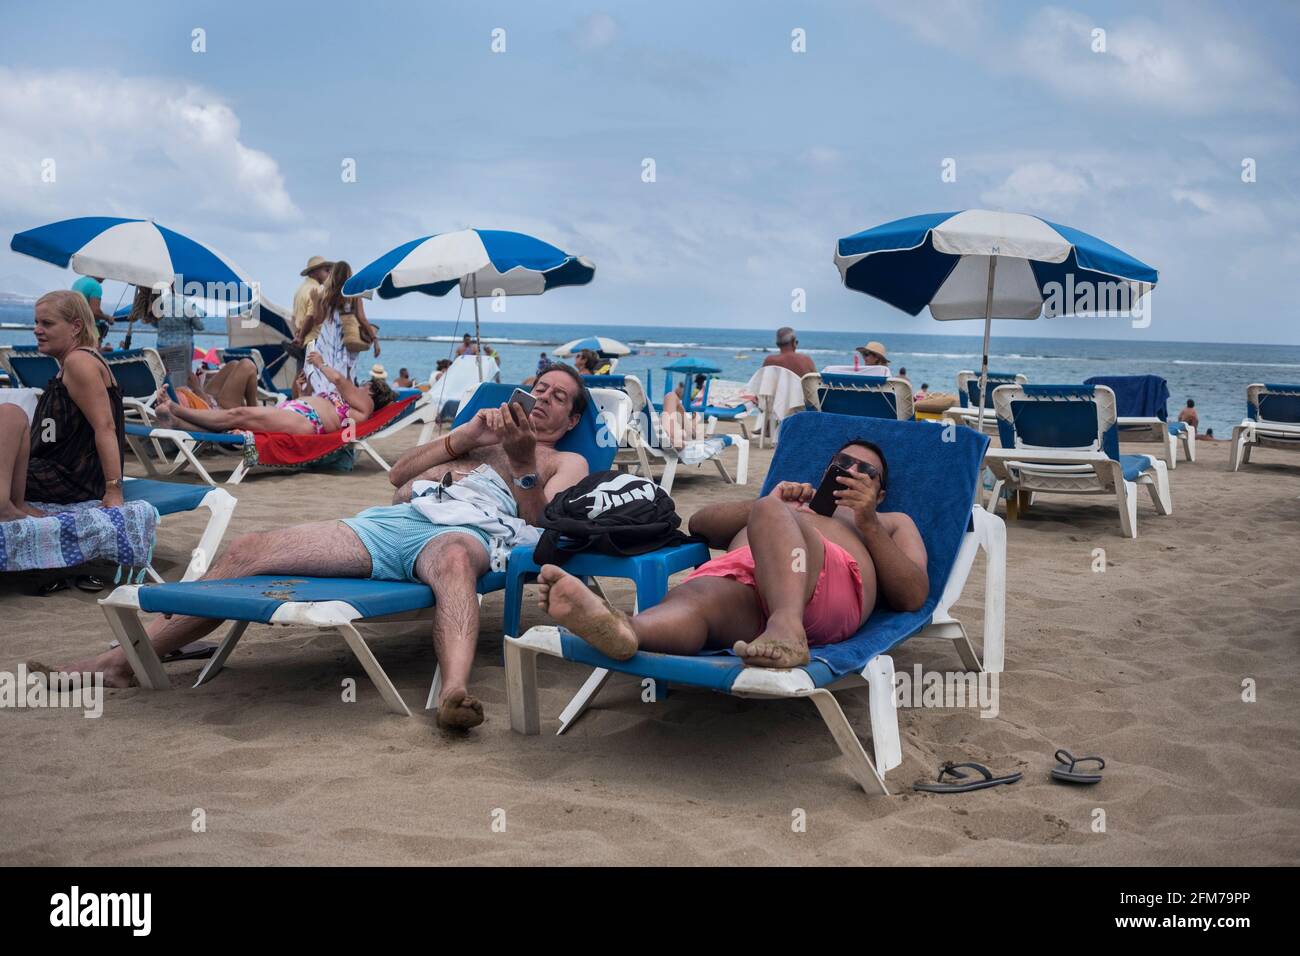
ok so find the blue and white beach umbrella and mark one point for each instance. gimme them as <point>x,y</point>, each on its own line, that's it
<point>978,264</point>
<point>606,347</point>
<point>480,262</point>
<point>136,251</point>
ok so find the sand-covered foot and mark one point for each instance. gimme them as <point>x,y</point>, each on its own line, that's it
<point>573,605</point>
<point>784,644</point>
<point>162,408</point>
<point>459,710</point>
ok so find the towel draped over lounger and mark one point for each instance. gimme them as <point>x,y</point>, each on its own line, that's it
<point>77,533</point>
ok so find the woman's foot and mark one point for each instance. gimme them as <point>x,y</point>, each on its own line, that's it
<point>162,408</point>
<point>10,512</point>
<point>573,605</point>
<point>784,644</point>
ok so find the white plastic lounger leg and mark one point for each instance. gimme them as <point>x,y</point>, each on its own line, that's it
<point>879,675</point>
<point>218,660</point>
<point>435,688</point>
<point>378,458</point>
<point>238,474</point>
<point>583,698</point>
<point>1188,440</point>
<point>860,765</point>
<point>1159,489</point>
<point>995,595</point>
<point>722,470</point>
<point>129,631</point>
<point>221,505</point>
<point>376,673</point>
<point>1239,438</point>
<point>742,461</point>
<point>521,689</point>
<point>670,470</point>
<point>1126,495</point>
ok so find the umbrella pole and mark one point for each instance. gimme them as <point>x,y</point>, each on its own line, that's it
<point>478,336</point>
<point>984,360</point>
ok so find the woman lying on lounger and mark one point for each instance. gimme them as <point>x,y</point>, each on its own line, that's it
<point>304,415</point>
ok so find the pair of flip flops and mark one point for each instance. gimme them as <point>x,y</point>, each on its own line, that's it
<point>951,778</point>
<point>90,583</point>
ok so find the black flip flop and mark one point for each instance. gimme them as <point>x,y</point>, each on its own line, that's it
<point>52,587</point>
<point>90,583</point>
<point>954,770</point>
<point>1064,770</point>
<point>196,651</point>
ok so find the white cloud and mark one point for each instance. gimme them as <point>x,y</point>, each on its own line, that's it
<point>1039,185</point>
<point>134,147</point>
<point>597,31</point>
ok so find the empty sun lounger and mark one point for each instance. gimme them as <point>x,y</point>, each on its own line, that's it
<point>27,367</point>
<point>1141,404</point>
<point>1063,439</point>
<point>866,396</point>
<point>968,395</point>
<point>932,480</point>
<point>296,600</point>
<point>1272,421</point>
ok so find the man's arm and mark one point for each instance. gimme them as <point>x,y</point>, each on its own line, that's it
<point>463,438</point>
<point>894,544</point>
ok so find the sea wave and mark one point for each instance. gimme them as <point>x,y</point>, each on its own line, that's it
<point>1246,364</point>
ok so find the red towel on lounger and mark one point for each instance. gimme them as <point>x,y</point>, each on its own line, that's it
<point>278,450</point>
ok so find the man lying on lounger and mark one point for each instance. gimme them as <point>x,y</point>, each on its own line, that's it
<point>502,456</point>
<point>308,414</point>
<point>791,576</point>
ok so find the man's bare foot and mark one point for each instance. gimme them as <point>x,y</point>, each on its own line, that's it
<point>162,408</point>
<point>113,677</point>
<point>459,710</point>
<point>569,601</point>
<point>783,645</point>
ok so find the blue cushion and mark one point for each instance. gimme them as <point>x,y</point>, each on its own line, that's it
<point>1136,396</point>
<point>218,438</point>
<point>1177,428</point>
<point>257,598</point>
<point>1134,465</point>
<point>169,497</point>
<point>583,438</point>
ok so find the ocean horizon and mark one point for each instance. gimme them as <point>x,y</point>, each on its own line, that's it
<point>1214,374</point>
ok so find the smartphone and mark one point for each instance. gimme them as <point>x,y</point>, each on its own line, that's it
<point>523,399</point>
<point>823,502</point>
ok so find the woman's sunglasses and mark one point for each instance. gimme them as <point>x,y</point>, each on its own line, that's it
<point>849,463</point>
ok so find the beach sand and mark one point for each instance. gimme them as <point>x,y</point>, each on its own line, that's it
<point>1143,664</point>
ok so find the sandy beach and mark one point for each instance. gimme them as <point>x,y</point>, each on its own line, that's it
<point>1143,663</point>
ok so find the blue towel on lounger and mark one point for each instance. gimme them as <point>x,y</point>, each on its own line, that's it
<point>1136,396</point>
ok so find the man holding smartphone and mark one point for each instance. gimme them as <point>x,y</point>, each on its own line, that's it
<point>794,575</point>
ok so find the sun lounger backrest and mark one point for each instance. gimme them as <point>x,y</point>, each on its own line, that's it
<point>582,439</point>
<point>1274,403</point>
<point>930,479</point>
<point>605,381</point>
<point>1064,417</point>
<point>968,386</point>
<point>1136,396</point>
<point>866,396</point>
<point>28,367</point>
<point>139,372</point>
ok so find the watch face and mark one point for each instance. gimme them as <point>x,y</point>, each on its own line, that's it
<point>526,482</point>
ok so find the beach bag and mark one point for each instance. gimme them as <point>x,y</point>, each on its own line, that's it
<point>609,513</point>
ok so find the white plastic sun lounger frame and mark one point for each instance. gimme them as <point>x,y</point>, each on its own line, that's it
<point>969,414</point>
<point>220,505</point>
<point>1265,433</point>
<point>1147,430</point>
<point>988,534</point>
<point>647,447</point>
<point>1076,471</point>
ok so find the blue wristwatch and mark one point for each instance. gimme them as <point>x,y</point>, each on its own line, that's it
<point>526,482</point>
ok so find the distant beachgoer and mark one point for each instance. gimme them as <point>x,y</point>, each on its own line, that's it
<point>466,346</point>
<point>337,329</point>
<point>1208,436</point>
<point>234,385</point>
<point>403,379</point>
<point>925,387</point>
<point>176,323</point>
<point>92,287</point>
<point>902,373</point>
<point>72,450</point>
<point>788,357</point>
<point>542,362</point>
<point>873,355</point>
<point>317,414</point>
<point>441,370</point>
<point>317,271</point>
<point>1188,415</point>
<point>586,362</point>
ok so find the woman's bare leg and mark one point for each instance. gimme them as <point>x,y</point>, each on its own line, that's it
<point>325,548</point>
<point>235,384</point>
<point>15,447</point>
<point>258,419</point>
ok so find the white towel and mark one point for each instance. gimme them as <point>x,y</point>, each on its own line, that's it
<point>479,500</point>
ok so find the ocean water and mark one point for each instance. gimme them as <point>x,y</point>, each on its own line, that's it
<point>1214,374</point>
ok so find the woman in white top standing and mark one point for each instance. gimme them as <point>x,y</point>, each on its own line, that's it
<point>338,329</point>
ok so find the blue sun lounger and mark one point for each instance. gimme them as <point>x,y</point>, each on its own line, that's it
<point>968,396</point>
<point>932,480</point>
<point>1272,421</point>
<point>1141,407</point>
<point>843,393</point>
<point>173,497</point>
<point>295,600</point>
<point>1064,439</point>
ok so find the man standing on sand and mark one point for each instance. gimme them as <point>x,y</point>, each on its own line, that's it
<point>92,287</point>
<point>787,357</point>
<point>318,268</point>
<point>503,462</point>
<point>1188,415</point>
<point>791,577</point>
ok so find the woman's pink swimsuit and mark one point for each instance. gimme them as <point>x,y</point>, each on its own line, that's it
<point>835,610</point>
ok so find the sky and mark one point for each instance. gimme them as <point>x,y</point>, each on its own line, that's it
<point>763,155</point>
